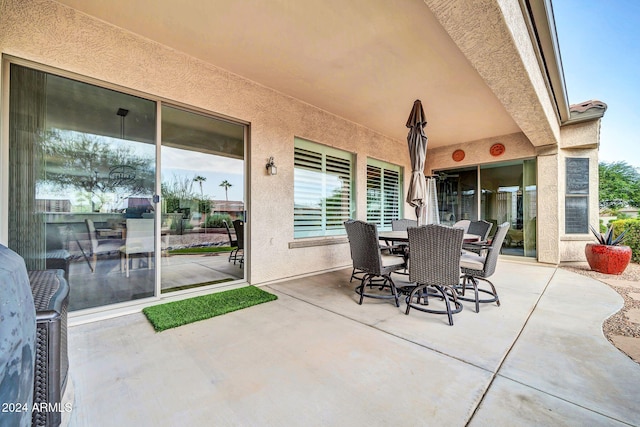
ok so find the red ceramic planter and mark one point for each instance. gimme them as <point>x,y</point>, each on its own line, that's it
<point>607,259</point>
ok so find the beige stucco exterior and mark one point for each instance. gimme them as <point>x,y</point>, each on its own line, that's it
<point>489,34</point>
<point>579,140</point>
<point>492,34</point>
<point>48,33</point>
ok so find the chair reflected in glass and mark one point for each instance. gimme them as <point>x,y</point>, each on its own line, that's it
<point>238,225</point>
<point>233,243</point>
<point>435,268</point>
<point>139,240</point>
<point>57,256</point>
<point>98,246</point>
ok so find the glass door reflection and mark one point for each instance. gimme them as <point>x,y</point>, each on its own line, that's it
<point>83,167</point>
<point>202,200</point>
<point>508,193</point>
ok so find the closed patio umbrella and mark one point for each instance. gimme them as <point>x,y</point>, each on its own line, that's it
<point>417,140</point>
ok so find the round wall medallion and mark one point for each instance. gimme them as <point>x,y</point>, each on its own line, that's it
<point>457,155</point>
<point>497,149</point>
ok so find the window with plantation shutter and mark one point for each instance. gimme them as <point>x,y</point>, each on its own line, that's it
<point>323,189</point>
<point>384,193</point>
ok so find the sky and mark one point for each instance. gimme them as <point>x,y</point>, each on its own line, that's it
<point>215,169</point>
<point>600,50</point>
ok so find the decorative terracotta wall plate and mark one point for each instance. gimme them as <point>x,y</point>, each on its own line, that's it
<point>457,155</point>
<point>496,150</point>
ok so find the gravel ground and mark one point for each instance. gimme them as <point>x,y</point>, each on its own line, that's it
<point>628,286</point>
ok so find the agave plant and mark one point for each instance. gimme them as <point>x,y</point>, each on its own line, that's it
<point>607,237</point>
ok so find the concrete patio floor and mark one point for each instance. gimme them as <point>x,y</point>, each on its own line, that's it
<point>315,357</point>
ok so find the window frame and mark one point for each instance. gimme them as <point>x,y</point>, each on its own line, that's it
<point>7,61</point>
<point>576,197</point>
<point>382,221</point>
<point>305,227</point>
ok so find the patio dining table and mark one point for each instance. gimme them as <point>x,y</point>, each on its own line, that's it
<point>392,237</point>
<point>402,236</point>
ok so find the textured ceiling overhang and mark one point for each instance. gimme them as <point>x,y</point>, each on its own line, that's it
<point>471,63</point>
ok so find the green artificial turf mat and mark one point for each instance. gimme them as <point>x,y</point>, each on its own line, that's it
<point>178,313</point>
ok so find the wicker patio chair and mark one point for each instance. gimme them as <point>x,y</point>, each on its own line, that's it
<point>403,224</point>
<point>481,229</point>
<point>435,268</point>
<point>233,243</point>
<point>475,267</point>
<point>355,275</point>
<point>401,248</point>
<point>463,223</point>
<point>367,258</point>
<point>386,248</point>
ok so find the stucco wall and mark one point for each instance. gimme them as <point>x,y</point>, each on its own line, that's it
<point>517,146</point>
<point>494,37</point>
<point>549,202</point>
<point>46,32</point>
<point>49,33</point>
<point>580,141</point>
<point>581,135</point>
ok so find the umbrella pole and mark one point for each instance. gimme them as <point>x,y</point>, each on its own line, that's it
<point>419,214</point>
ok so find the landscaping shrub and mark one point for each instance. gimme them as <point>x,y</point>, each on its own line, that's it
<point>632,238</point>
<point>215,220</point>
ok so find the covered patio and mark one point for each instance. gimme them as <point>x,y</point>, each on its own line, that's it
<point>316,357</point>
<point>323,90</point>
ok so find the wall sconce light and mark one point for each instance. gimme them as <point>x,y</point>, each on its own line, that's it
<point>271,167</point>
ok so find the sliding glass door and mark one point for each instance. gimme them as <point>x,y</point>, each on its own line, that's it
<point>507,193</point>
<point>202,201</point>
<point>85,194</point>
<point>457,195</point>
<point>82,166</point>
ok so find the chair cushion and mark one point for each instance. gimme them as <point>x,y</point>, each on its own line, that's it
<point>391,260</point>
<point>471,261</point>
